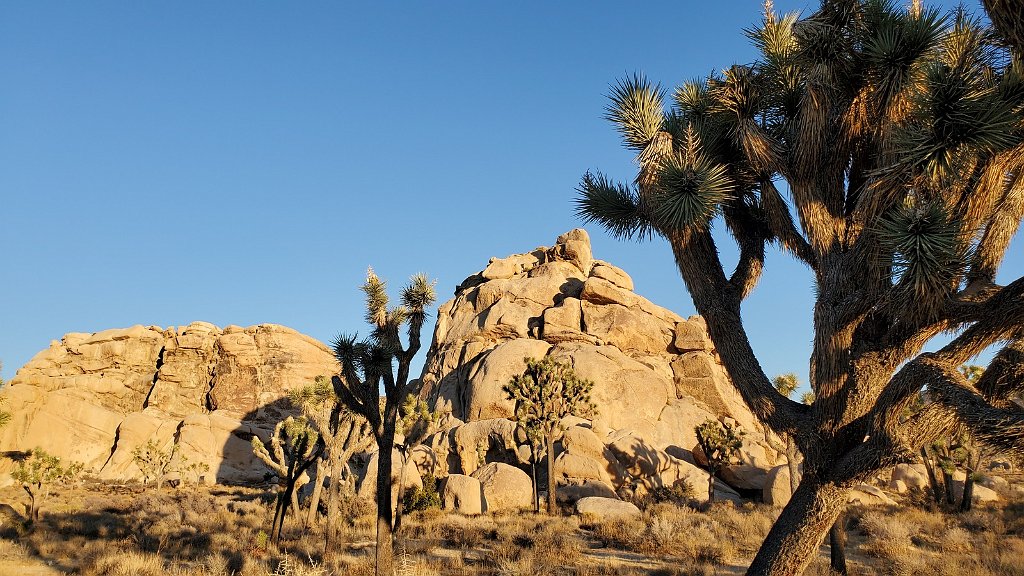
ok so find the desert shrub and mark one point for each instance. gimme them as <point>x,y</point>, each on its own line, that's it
<point>418,499</point>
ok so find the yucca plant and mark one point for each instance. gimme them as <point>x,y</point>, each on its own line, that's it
<point>881,146</point>
<point>293,448</point>
<point>382,362</point>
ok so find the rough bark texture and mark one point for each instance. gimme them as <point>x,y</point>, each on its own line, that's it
<point>837,545</point>
<point>794,538</point>
<point>385,519</point>
<point>552,504</point>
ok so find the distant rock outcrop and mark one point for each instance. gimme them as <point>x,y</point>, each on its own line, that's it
<point>656,375</point>
<point>94,398</point>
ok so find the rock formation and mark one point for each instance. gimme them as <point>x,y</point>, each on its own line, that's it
<point>94,398</point>
<point>656,375</point>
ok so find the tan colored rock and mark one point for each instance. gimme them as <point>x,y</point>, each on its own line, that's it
<point>629,330</point>
<point>867,495</point>
<point>485,397</point>
<point>571,493</point>
<point>574,246</point>
<point>606,508</point>
<point>692,336</point>
<point>599,291</point>
<point>776,490</point>
<point>505,487</point>
<point>912,475</point>
<point>93,398</point>
<point>898,486</point>
<point>471,439</point>
<point>462,494</point>
<point>576,469</point>
<point>745,477</point>
<point>613,274</point>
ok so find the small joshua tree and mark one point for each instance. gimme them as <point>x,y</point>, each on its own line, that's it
<point>545,393</point>
<point>37,472</point>
<point>378,363</point>
<point>720,442</point>
<point>294,447</point>
<point>343,434</point>
<point>154,461</point>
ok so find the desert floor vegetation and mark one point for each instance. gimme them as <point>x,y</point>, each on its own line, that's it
<point>98,529</point>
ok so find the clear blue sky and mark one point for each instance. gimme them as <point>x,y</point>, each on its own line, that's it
<point>244,162</point>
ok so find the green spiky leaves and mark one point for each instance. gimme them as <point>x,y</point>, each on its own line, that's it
<point>614,206</point>
<point>926,248</point>
<point>690,189</point>
<point>419,294</point>
<point>637,110</point>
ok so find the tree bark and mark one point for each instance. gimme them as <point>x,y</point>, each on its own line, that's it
<point>314,498</point>
<point>400,505</point>
<point>333,502</point>
<point>837,545</point>
<point>536,493</point>
<point>947,479</point>
<point>385,545</point>
<point>552,508</point>
<point>966,500</point>
<point>933,480</point>
<point>795,537</point>
<point>711,485</point>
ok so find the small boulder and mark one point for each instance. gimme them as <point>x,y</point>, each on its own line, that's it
<point>462,494</point>
<point>505,487</point>
<point>745,477</point>
<point>606,508</point>
<point>912,475</point>
<point>868,495</point>
<point>776,490</point>
<point>575,492</point>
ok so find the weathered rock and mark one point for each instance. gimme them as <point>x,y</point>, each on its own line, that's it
<point>867,495</point>
<point>745,477</point>
<point>912,475</point>
<point>575,468</point>
<point>93,398</point>
<point>606,508</point>
<point>486,440</point>
<point>655,373</point>
<point>462,494</point>
<point>505,487</point>
<point>776,490</point>
<point>572,492</point>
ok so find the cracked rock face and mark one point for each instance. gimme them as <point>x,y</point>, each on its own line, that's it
<point>656,375</point>
<point>93,398</point>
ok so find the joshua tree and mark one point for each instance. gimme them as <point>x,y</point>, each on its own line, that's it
<point>545,393</point>
<point>720,442</point>
<point>343,434</point>
<point>381,362</point>
<point>154,461</point>
<point>37,472</point>
<point>896,136</point>
<point>294,447</point>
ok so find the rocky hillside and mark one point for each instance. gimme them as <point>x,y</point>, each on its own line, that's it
<point>93,398</point>
<point>656,374</point>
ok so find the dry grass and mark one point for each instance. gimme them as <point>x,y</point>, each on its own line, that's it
<point>222,532</point>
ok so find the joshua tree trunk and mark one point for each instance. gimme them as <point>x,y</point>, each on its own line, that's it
<point>333,501</point>
<point>314,498</point>
<point>33,502</point>
<point>794,538</point>
<point>552,507</point>
<point>837,545</point>
<point>400,505</point>
<point>385,545</point>
<point>947,479</point>
<point>933,480</point>
<point>711,484</point>
<point>533,474</point>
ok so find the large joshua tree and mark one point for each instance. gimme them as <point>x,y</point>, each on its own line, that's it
<point>897,134</point>
<point>381,363</point>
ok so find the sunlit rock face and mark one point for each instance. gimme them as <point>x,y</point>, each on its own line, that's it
<point>656,375</point>
<point>94,398</point>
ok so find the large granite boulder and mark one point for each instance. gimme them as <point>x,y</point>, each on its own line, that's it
<point>505,487</point>
<point>94,398</point>
<point>656,375</point>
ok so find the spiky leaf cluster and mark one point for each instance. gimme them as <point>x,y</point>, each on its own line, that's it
<point>786,383</point>
<point>41,467</point>
<point>382,361</point>
<point>546,392</point>
<point>293,442</point>
<point>720,441</point>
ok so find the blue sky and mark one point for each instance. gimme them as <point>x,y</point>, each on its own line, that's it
<point>240,162</point>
